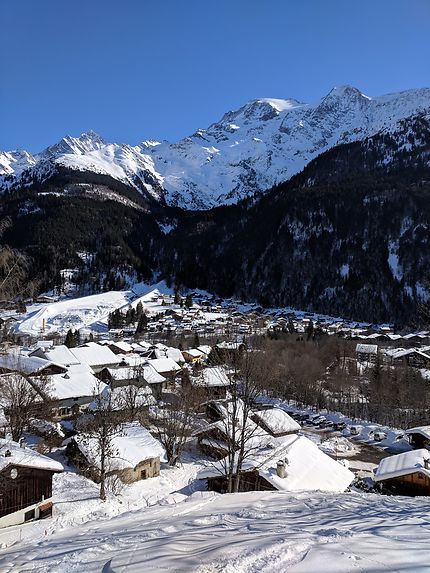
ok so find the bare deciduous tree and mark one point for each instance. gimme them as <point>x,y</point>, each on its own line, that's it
<point>175,422</point>
<point>22,399</point>
<point>101,427</point>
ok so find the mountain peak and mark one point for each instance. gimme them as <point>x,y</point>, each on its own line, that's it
<point>345,92</point>
<point>87,141</point>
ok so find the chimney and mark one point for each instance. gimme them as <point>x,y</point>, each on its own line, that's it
<point>22,442</point>
<point>426,463</point>
<point>280,469</point>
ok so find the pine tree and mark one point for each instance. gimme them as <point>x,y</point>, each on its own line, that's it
<point>70,340</point>
<point>142,325</point>
<point>196,342</point>
<point>139,311</point>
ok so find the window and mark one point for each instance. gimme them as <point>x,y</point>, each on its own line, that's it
<point>29,515</point>
<point>143,474</point>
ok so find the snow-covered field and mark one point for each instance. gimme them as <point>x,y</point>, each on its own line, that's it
<point>249,532</point>
<point>88,311</point>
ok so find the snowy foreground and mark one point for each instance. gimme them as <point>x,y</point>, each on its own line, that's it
<point>258,531</point>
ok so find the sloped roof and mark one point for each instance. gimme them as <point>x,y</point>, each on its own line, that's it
<point>163,365</point>
<point>25,364</point>
<point>79,381</point>
<point>26,457</point>
<point>423,430</point>
<point>140,396</point>
<point>61,354</point>
<point>277,421</point>
<point>95,354</point>
<point>215,376</point>
<point>403,464</point>
<point>175,354</point>
<point>122,345</point>
<point>367,348</point>
<point>132,445</point>
<point>307,467</point>
<point>194,352</point>
<point>205,348</point>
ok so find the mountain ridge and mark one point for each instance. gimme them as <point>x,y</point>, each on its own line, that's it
<point>246,152</point>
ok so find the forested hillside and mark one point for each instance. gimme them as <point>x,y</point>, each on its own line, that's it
<point>348,236</point>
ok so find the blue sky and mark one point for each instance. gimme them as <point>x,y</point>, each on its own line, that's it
<point>140,69</point>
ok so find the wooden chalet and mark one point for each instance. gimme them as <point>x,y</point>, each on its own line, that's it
<point>419,437</point>
<point>25,484</point>
<point>405,474</point>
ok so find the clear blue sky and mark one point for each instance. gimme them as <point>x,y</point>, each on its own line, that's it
<point>140,69</point>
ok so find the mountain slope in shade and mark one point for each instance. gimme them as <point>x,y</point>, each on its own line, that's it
<point>249,150</point>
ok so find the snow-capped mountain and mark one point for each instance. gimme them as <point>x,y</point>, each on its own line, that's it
<point>15,162</point>
<point>248,151</point>
<point>87,153</point>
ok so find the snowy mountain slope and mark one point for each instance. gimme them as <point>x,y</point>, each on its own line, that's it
<point>87,153</point>
<point>249,532</point>
<point>15,162</point>
<point>249,150</point>
<point>267,141</point>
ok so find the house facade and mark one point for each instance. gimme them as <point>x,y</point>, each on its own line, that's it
<point>25,484</point>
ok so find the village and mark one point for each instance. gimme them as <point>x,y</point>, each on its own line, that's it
<point>182,385</point>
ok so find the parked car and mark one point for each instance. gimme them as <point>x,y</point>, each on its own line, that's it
<point>317,421</point>
<point>379,436</point>
<point>339,426</point>
<point>355,430</point>
<point>328,424</point>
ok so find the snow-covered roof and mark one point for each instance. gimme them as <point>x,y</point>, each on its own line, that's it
<point>307,467</point>
<point>123,396</point>
<point>213,377</point>
<point>151,376</point>
<point>403,464</point>
<point>133,359</point>
<point>229,345</point>
<point>205,349</point>
<point>122,345</point>
<point>44,344</point>
<point>194,352</point>
<point>79,381</point>
<point>95,354</point>
<point>25,364</point>
<point>162,365</point>
<point>277,421</point>
<point>125,373</point>
<point>175,354</point>
<point>402,352</point>
<point>423,430</point>
<point>61,354</point>
<point>132,445</point>
<point>366,348</point>
<point>144,370</point>
<point>25,457</point>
